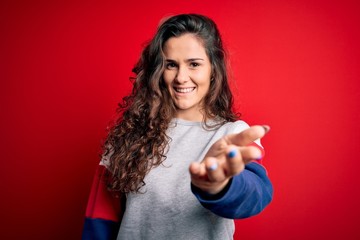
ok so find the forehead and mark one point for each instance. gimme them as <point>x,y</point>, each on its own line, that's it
<point>186,44</point>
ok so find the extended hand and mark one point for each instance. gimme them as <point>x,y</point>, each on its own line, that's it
<point>226,158</point>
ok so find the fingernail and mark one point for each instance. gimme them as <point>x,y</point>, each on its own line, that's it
<point>232,153</point>
<point>213,167</point>
<point>266,128</point>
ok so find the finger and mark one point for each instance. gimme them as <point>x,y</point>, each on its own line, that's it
<point>248,135</point>
<point>234,163</point>
<point>250,153</point>
<point>215,171</point>
<point>197,170</point>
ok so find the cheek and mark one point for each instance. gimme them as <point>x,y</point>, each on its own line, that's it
<point>167,78</point>
<point>206,85</point>
<point>166,81</point>
<point>204,80</point>
<point>203,76</point>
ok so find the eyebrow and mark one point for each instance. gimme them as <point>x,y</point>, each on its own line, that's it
<point>187,60</point>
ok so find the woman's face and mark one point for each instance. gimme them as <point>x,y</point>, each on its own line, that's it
<point>187,75</point>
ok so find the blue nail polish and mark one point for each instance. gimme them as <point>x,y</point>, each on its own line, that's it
<point>213,167</point>
<point>232,153</point>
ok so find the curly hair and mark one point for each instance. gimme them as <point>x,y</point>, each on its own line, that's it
<point>137,141</point>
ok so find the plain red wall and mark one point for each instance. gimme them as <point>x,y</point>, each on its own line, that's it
<point>65,65</point>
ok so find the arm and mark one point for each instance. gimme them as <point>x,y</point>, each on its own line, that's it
<point>245,195</point>
<point>104,210</point>
<point>229,181</point>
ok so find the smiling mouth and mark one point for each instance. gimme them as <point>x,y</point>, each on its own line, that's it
<point>184,90</point>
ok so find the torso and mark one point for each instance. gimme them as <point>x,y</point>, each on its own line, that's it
<point>166,208</point>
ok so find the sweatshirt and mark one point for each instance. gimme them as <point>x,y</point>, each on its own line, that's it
<point>169,206</point>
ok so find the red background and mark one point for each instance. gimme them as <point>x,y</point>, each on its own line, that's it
<point>65,64</point>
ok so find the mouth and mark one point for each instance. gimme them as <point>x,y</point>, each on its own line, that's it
<point>184,90</point>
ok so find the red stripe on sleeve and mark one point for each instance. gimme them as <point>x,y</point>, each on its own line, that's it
<point>102,203</point>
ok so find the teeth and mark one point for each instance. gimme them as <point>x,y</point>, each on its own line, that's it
<point>184,90</point>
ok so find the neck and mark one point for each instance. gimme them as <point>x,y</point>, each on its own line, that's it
<point>190,116</point>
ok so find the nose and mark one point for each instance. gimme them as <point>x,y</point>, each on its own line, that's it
<point>182,75</point>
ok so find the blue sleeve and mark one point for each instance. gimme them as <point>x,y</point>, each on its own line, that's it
<point>100,229</point>
<point>246,195</point>
<point>104,209</point>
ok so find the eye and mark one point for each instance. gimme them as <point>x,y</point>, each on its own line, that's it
<point>170,65</point>
<point>194,64</point>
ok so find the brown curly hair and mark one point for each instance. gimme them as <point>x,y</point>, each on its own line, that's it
<point>137,141</point>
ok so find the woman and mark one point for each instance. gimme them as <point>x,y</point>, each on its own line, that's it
<point>178,164</point>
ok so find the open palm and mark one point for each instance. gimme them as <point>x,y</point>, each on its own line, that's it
<point>226,158</point>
